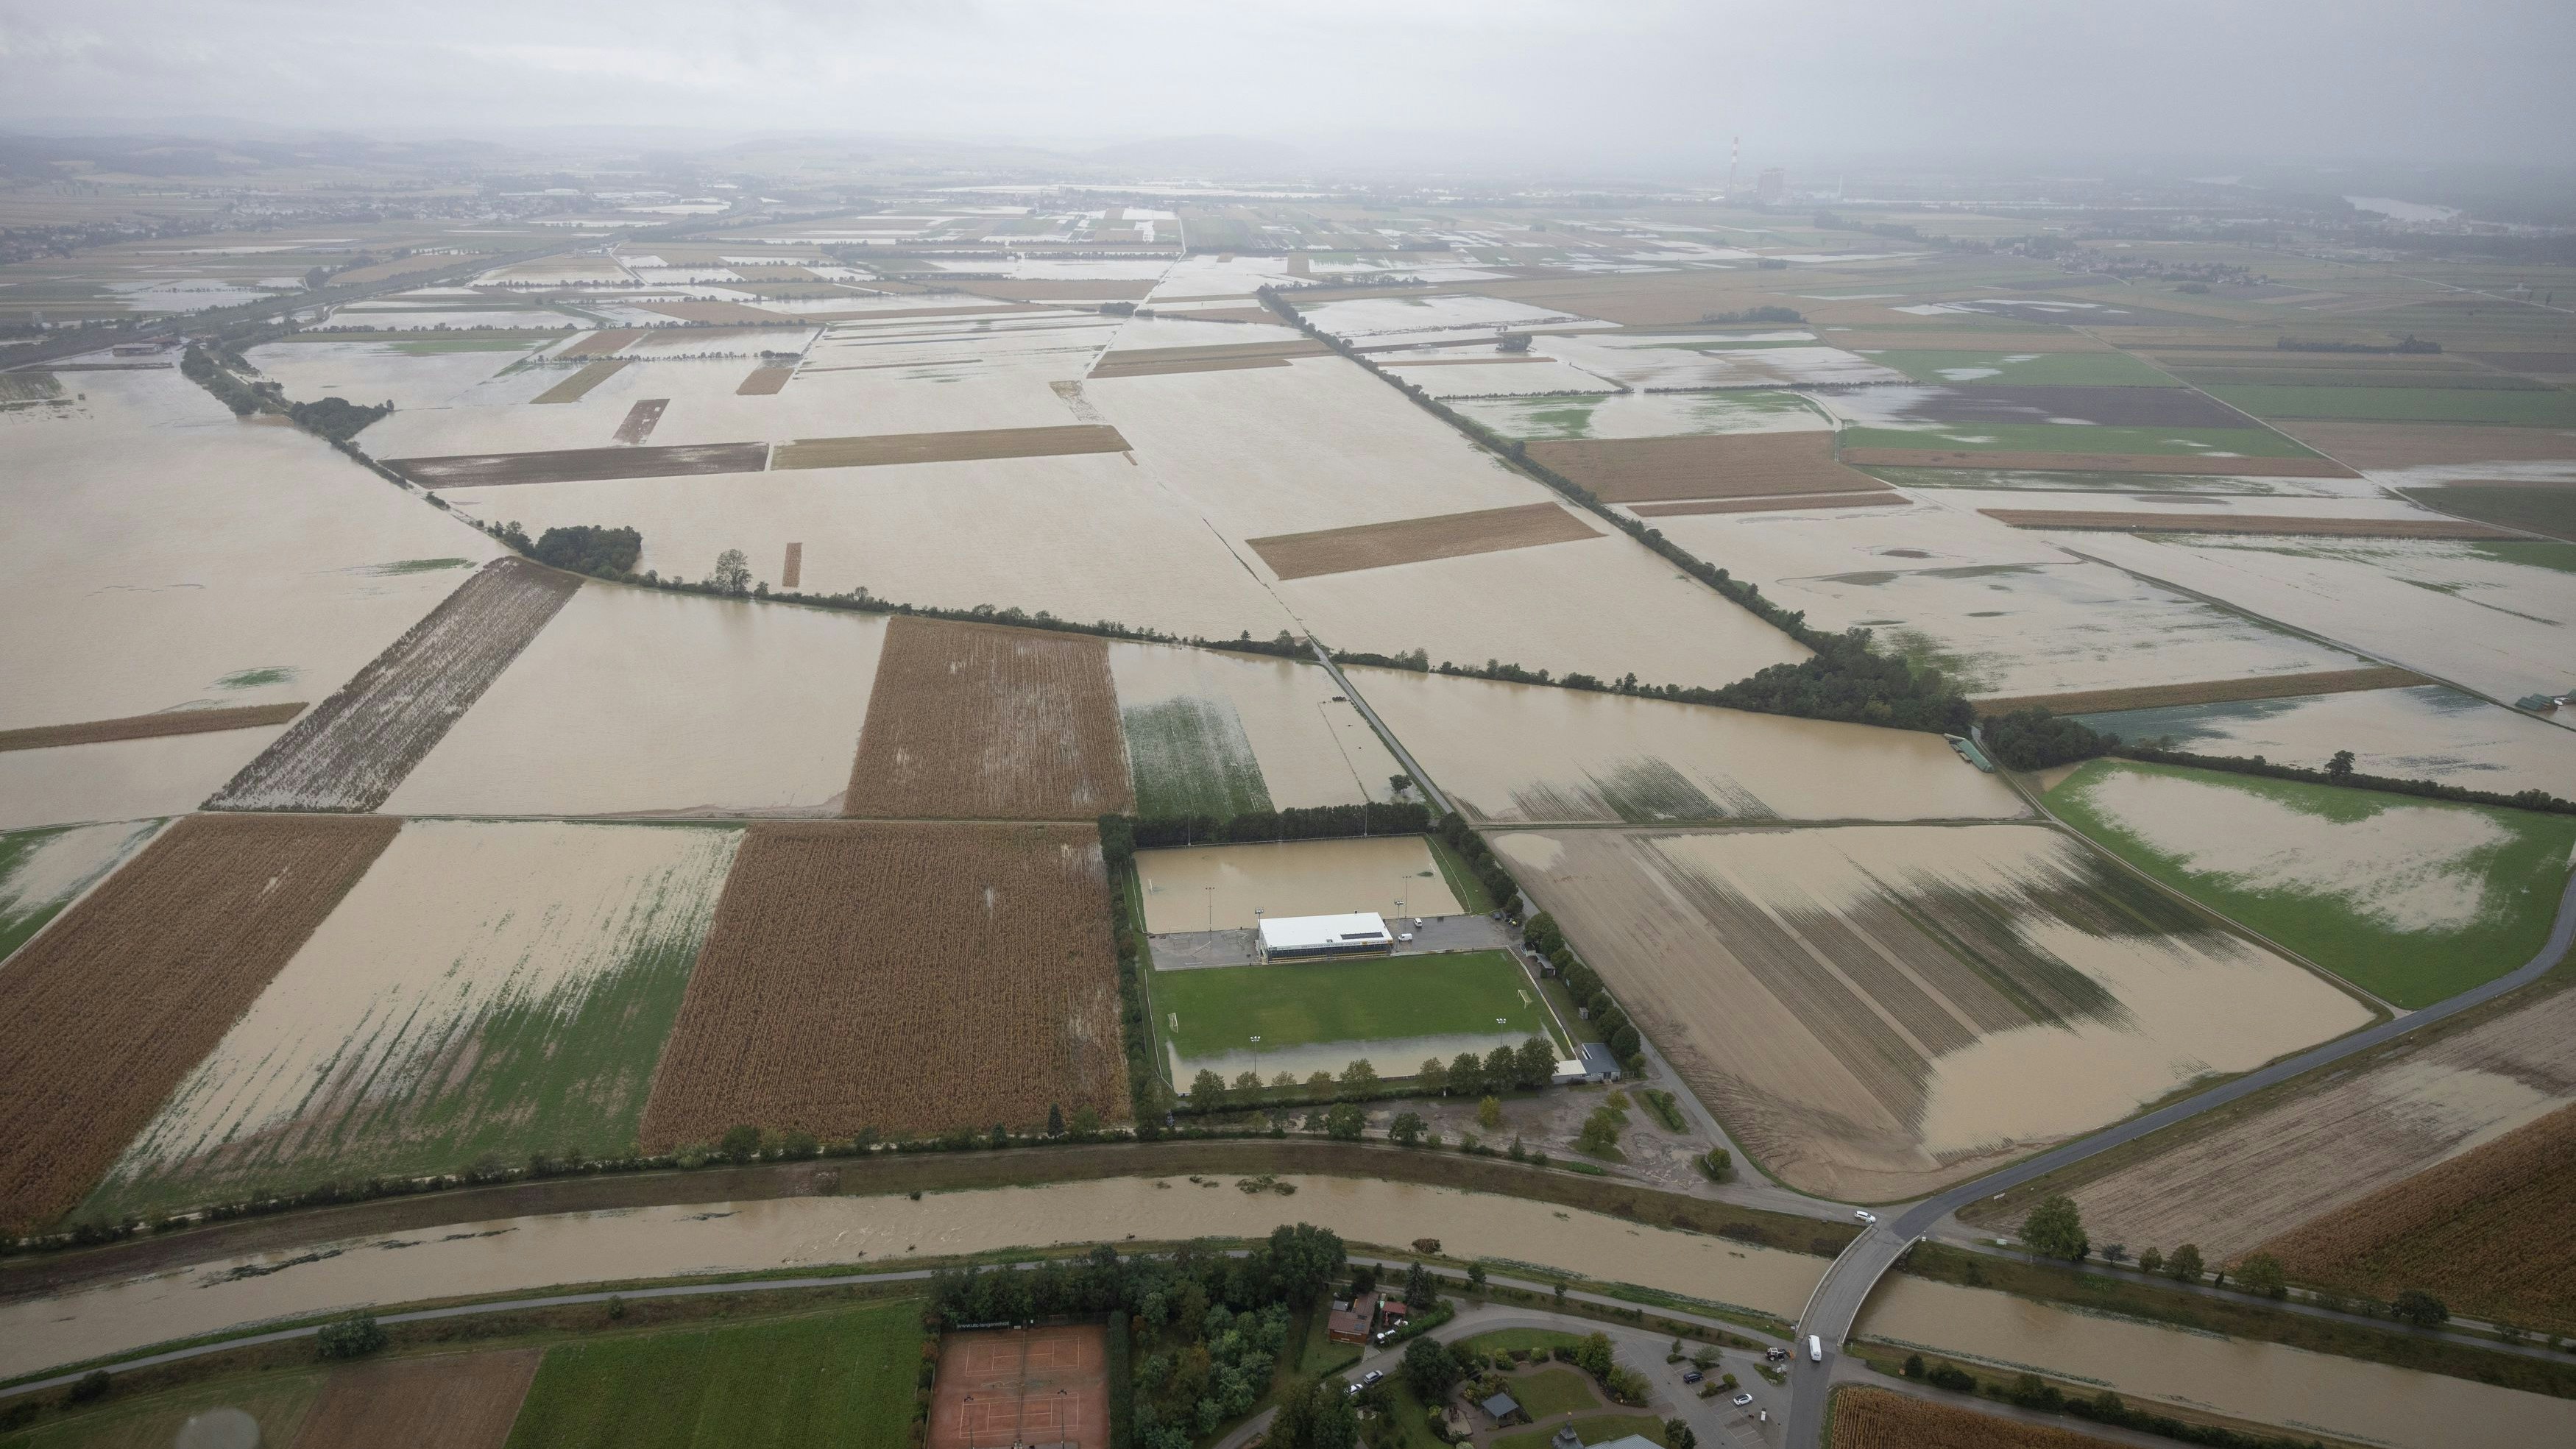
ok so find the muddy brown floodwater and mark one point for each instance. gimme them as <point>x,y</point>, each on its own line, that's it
<point>2265,1382</point>
<point>520,1254</point>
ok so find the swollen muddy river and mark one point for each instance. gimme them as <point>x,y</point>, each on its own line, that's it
<point>517,1254</point>
<point>2312,1393</point>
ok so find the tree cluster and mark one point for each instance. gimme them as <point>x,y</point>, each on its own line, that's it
<point>1583,984</point>
<point>589,549</point>
<point>1316,822</point>
<point>2034,739</point>
<point>336,418</point>
<point>1480,858</point>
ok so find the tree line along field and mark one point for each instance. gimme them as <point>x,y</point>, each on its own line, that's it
<point>907,977</point>
<point>108,1011</point>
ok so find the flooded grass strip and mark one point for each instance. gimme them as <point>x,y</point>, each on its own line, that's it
<point>350,753</point>
<point>1415,540</point>
<point>151,726</point>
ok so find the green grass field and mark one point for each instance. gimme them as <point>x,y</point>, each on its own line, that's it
<point>2070,438</point>
<point>2542,510</point>
<point>1314,1003</point>
<point>1469,892</point>
<point>2530,408</point>
<point>2345,928</point>
<point>841,1378</point>
<point>1591,1429</point>
<point>1553,1391</point>
<point>2056,369</point>
<point>1190,756</point>
<point>1503,1340</point>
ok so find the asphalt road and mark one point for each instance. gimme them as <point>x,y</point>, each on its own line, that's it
<point>1836,1305</point>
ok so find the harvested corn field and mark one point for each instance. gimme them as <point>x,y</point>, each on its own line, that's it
<point>971,446</point>
<point>2210,691</point>
<point>489,990</point>
<point>351,751</point>
<point>1876,1011</point>
<point>2090,521</point>
<point>1878,1419</point>
<point>1723,465</point>
<point>2179,464</point>
<point>152,726</point>
<point>2485,1232</point>
<point>2232,1181</point>
<point>764,381</point>
<point>114,1005</point>
<point>581,465</point>
<point>449,1401</point>
<point>979,722</point>
<point>576,387</point>
<point>1413,540</point>
<point>909,977</point>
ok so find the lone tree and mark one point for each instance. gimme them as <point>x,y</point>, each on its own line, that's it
<point>2419,1308</point>
<point>2339,769</point>
<point>2261,1273</point>
<point>2055,1229</point>
<point>2184,1265</point>
<point>733,572</point>
<point>1430,1368</point>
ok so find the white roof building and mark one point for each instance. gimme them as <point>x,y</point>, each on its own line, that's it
<point>1324,935</point>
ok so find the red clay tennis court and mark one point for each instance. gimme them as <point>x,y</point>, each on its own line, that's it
<point>1012,1386</point>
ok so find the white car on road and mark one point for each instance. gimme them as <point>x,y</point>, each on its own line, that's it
<point>1865,1215</point>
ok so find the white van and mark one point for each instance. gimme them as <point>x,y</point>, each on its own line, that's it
<point>1815,1348</point>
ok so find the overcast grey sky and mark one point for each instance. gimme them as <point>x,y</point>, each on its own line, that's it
<point>1637,82</point>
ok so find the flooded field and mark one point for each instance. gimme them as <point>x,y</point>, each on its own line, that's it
<point>484,988</point>
<point>1214,728</point>
<point>2232,1188</point>
<point>124,780</point>
<point>637,701</point>
<point>2263,1382</point>
<point>2429,732</point>
<point>41,871</point>
<point>1645,415</point>
<point>821,1232</point>
<point>1871,1009</point>
<point>2410,899</point>
<point>1231,887</point>
<point>141,572</point>
<point>1529,753</point>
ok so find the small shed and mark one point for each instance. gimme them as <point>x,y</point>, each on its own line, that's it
<point>1501,1407</point>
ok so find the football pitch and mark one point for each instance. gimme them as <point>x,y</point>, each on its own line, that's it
<point>1320,1015</point>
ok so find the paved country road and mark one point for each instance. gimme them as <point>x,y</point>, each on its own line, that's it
<point>1836,1305</point>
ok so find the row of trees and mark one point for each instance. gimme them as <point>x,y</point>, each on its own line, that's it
<point>1317,822</point>
<point>1585,987</point>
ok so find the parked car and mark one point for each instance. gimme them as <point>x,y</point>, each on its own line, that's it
<point>1740,1400</point>
<point>1371,1377</point>
<point>1404,935</point>
<point>1865,1215</point>
<point>1694,1376</point>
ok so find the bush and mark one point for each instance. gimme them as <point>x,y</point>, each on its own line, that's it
<point>89,1388</point>
<point>351,1337</point>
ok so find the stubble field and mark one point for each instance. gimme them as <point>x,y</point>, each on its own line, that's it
<point>114,1006</point>
<point>906,977</point>
<point>973,721</point>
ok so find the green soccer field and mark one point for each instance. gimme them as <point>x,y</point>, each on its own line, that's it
<point>1338,1004</point>
<point>844,1377</point>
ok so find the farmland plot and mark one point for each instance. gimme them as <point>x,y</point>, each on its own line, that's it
<point>1413,540</point>
<point>1733,465</point>
<point>971,721</point>
<point>1206,729</point>
<point>978,953</point>
<point>41,871</point>
<point>1646,415</point>
<point>1320,1016</point>
<point>1374,320</point>
<point>1872,1010</point>
<point>349,752</point>
<point>1876,1419</point>
<point>131,988</point>
<point>1527,753</point>
<point>2232,1184</point>
<point>2427,732</point>
<point>448,1401</point>
<point>1704,360</point>
<point>486,990</point>
<point>1231,887</point>
<point>123,780</point>
<point>142,573</point>
<point>2412,900</point>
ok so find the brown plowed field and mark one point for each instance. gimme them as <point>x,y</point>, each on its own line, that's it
<point>581,465</point>
<point>2082,520</point>
<point>716,312</point>
<point>640,419</point>
<point>1179,365</point>
<point>150,726</point>
<point>980,722</point>
<point>1880,499</point>
<point>2486,1232</point>
<point>1729,465</point>
<point>2175,464</point>
<point>1156,361</point>
<point>969,446</point>
<point>1413,540</point>
<point>589,375</point>
<point>108,1011</point>
<point>792,572</point>
<point>764,381</point>
<point>452,1401</point>
<point>2413,445</point>
<point>352,751</point>
<point>1022,1386</point>
<point>904,976</point>
<point>602,342</point>
<point>2210,691</point>
<point>1878,1419</point>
